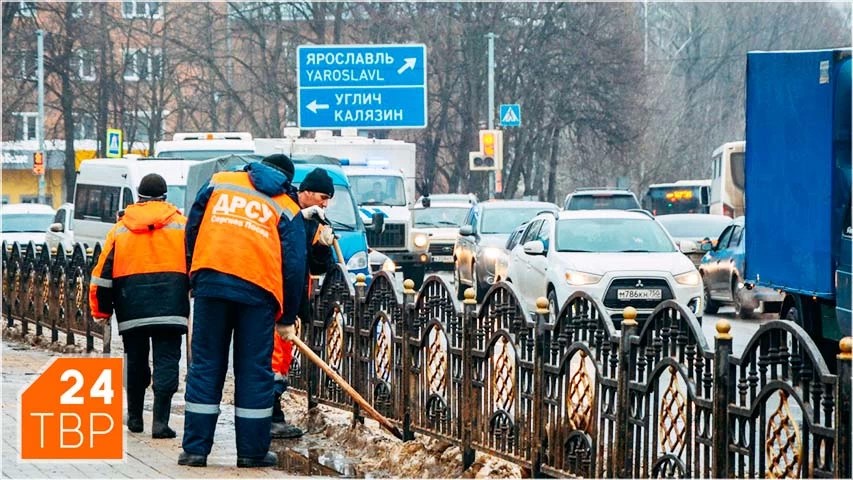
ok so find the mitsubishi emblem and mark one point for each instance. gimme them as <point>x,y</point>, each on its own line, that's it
<point>639,284</point>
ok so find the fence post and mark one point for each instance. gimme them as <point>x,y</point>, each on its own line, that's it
<point>408,320</point>
<point>722,374</point>
<point>469,316</point>
<point>842,410</point>
<point>624,433</point>
<point>542,312</point>
<point>358,374</point>
<point>310,370</point>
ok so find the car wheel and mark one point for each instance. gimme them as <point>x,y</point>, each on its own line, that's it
<point>553,306</point>
<point>460,289</point>
<point>794,316</point>
<point>740,310</point>
<point>711,306</point>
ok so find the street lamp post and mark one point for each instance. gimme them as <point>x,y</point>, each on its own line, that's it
<point>40,125</point>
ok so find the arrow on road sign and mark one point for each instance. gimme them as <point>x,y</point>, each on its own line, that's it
<point>408,64</point>
<point>314,106</point>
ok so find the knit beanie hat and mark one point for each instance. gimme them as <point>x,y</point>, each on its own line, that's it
<point>318,180</point>
<point>151,186</point>
<point>281,162</point>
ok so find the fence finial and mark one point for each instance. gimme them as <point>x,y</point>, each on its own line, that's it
<point>846,346</point>
<point>629,316</point>
<point>360,279</point>
<point>723,328</point>
<point>408,286</point>
<point>542,306</point>
<point>469,296</point>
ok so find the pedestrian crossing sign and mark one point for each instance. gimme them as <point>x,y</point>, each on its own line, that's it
<point>510,115</point>
<point>113,143</point>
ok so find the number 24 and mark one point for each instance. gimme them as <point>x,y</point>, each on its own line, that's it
<point>102,388</point>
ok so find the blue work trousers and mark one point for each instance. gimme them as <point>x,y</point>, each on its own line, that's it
<point>214,320</point>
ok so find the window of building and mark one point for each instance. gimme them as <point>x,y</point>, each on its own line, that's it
<point>26,125</point>
<point>86,64</point>
<point>27,9</point>
<point>141,64</point>
<point>137,126</point>
<point>81,9</point>
<point>85,126</point>
<point>135,9</point>
<point>24,64</point>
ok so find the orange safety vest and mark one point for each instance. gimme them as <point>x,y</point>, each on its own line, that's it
<point>239,233</point>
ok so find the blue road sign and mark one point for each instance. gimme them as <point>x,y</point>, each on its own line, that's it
<point>510,115</point>
<point>362,86</point>
<point>113,142</point>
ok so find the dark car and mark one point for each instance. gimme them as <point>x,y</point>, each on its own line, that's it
<point>722,270</point>
<point>601,199</point>
<point>482,240</point>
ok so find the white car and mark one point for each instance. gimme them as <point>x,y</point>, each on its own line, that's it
<point>26,222</point>
<point>623,258</point>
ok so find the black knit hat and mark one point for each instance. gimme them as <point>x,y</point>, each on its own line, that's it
<point>281,162</point>
<point>151,186</point>
<point>318,180</point>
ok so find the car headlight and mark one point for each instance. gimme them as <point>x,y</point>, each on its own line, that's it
<point>389,266</point>
<point>691,278</point>
<point>491,253</point>
<point>420,240</point>
<point>574,277</point>
<point>357,261</point>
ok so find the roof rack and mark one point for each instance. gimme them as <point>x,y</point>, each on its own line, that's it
<point>586,189</point>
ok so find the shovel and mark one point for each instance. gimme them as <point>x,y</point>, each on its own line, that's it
<point>347,387</point>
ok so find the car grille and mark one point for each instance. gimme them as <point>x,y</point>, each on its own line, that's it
<point>392,236</point>
<point>441,249</point>
<point>611,300</point>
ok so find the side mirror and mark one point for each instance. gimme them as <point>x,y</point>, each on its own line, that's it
<point>534,247</point>
<point>57,227</point>
<point>706,246</point>
<point>378,222</point>
<point>688,246</point>
<point>466,230</point>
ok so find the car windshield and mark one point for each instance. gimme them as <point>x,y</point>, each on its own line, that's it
<point>341,211</point>
<point>700,226</point>
<point>602,202</point>
<point>439,216</point>
<point>201,154</point>
<point>608,235</point>
<point>378,190</point>
<point>504,220</point>
<point>26,222</point>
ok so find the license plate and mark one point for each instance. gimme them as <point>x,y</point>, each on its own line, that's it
<point>442,258</point>
<point>639,294</point>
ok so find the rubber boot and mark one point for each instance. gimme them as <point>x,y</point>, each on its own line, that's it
<point>279,428</point>
<point>135,402</point>
<point>162,410</point>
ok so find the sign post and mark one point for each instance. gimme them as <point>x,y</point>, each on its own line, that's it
<point>362,86</point>
<point>114,143</point>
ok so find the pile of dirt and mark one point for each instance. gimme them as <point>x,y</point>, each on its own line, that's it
<point>373,452</point>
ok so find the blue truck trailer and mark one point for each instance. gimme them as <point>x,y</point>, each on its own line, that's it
<point>798,186</point>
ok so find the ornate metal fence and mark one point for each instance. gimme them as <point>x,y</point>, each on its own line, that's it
<point>44,289</point>
<point>571,396</point>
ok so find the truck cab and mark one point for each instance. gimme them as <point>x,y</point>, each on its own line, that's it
<point>204,145</point>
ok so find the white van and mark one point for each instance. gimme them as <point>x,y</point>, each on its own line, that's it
<point>107,185</point>
<point>204,145</point>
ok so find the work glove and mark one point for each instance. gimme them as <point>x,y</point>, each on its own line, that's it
<point>286,332</point>
<point>315,212</point>
<point>327,236</point>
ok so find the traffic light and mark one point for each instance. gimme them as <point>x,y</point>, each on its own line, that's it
<point>38,163</point>
<point>490,156</point>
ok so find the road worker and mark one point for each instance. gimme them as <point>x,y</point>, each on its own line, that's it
<point>246,242</point>
<point>142,276</point>
<point>313,197</point>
